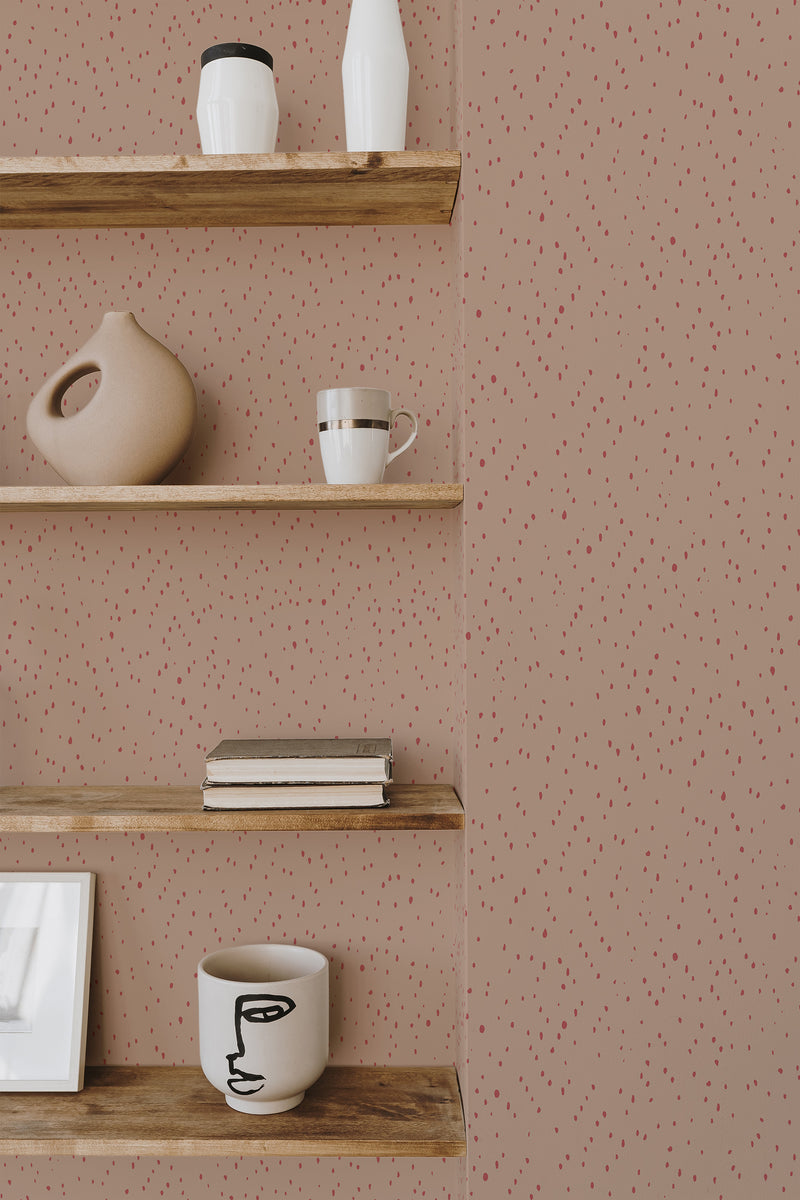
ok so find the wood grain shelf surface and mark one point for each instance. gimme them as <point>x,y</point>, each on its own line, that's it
<point>350,1111</point>
<point>170,497</point>
<point>149,808</point>
<point>406,187</point>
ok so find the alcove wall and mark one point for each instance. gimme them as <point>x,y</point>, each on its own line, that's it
<point>137,640</point>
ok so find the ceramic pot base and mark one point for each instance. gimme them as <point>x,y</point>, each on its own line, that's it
<point>264,1107</point>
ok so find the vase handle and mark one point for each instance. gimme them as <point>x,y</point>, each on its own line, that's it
<point>46,404</point>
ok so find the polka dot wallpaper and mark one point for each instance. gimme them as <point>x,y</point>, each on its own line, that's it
<point>136,641</point>
<point>598,649</point>
<point>630,207</point>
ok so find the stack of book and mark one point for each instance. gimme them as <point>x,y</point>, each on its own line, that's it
<point>298,773</point>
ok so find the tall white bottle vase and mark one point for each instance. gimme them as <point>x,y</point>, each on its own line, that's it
<point>375,77</point>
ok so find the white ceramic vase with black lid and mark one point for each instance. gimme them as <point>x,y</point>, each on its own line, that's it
<point>237,106</point>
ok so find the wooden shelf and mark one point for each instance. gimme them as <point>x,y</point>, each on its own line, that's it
<point>406,187</point>
<point>134,808</point>
<point>350,1111</point>
<point>239,496</point>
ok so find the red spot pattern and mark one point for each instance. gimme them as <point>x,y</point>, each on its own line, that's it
<point>604,345</point>
<point>632,527</point>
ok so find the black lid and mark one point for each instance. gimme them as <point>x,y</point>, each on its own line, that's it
<point>236,50</point>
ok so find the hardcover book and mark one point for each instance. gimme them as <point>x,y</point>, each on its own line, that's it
<point>293,795</point>
<point>300,760</point>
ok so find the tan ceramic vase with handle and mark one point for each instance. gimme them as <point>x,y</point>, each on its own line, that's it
<point>137,425</point>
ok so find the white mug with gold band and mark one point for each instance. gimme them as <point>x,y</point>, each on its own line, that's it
<point>354,425</point>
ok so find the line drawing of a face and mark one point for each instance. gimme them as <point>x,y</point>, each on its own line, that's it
<point>250,1012</point>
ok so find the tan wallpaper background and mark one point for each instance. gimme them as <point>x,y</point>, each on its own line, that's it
<point>599,649</point>
<point>632,524</point>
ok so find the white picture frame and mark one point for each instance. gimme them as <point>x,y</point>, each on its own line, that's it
<point>46,922</point>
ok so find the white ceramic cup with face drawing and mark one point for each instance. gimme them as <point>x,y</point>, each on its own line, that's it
<point>264,1015</point>
<point>354,424</point>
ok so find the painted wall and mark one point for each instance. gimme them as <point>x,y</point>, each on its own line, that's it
<point>631,218</point>
<point>135,641</point>
<point>602,345</point>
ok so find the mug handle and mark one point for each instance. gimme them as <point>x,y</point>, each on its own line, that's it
<point>393,415</point>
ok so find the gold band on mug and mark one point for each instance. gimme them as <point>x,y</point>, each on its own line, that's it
<point>353,423</point>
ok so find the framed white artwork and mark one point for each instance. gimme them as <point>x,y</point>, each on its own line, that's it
<point>46,921</point>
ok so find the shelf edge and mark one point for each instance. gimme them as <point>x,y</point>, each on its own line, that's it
<point>157,1111</point>
<point>323,188</point>
<point>178,809</point>
<point>179,497</point>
